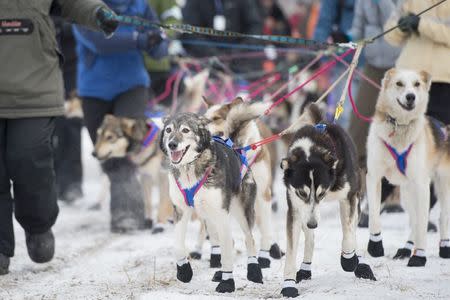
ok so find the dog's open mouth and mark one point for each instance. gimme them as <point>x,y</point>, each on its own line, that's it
<point>408,107</point>
<point>177,156</point>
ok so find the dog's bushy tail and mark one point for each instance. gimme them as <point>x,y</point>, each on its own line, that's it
<point>244,112</point>
<point>312,115</point>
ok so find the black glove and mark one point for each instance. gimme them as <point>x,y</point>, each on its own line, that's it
<point>339,37</point>
<point>149,39</point>
<point>107,21</point>
<point>409,23</point>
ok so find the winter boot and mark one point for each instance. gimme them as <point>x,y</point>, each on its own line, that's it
<point>41,246</point>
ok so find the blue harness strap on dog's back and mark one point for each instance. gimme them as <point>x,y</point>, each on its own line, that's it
<point>151,134</point>
<point>229,143</point>
<point>401,159</point>
<point>320,127</point>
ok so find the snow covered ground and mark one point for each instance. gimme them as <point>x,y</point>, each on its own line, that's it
<point>92,263</point>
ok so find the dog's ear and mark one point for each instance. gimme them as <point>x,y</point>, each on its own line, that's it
<point>237,101</point>
<point>207,102</point>
<point>161,141</point>
<point>204,121</point>
<point>109,118</point>
<point>284,165</point>
<point>388,76</point>
<point>135,129</point>
<point>426,78</point>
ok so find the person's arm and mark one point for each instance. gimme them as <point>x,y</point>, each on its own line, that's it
<point>437,31</point>
<point>96,41</point>
<point>327,17</point>
<point>158,49</point>
<point>251,17</point>
<point>82,12</point>
<point>396,37</point>
<point>359,21</point>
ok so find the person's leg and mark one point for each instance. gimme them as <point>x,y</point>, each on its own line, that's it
<point>127,202</point>
<point>30,165</point>
<point>6,202</point>
<point>94,110</point>
<point>439,105</point>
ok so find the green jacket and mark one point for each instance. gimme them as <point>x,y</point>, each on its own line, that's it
<point>31,83</point>
<point>168,12</point>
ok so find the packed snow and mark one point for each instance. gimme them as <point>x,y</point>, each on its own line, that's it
<point>92,263</point>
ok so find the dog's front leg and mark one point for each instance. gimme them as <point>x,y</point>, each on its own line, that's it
<point>263,208</point>
<point>305,268</point>
<point>293,226</point>
<point>215,256</point>
<point>442,189</point>
<point>408,199</point>
<point>146,183</point>
<point>182,217</point>
<point>421,199</point>
<point>375,246</point>
<point>349,213</point>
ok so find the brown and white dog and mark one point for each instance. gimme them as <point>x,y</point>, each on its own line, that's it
<point>411,150</point>
<point>262,161</point>
<point>124,137</point>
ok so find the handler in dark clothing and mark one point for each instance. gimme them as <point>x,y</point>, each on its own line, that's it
<point>234,15</point>
<point>68,166</point>
<point>31,96</point>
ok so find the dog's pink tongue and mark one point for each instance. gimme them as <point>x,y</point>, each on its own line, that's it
<point>176,155</point>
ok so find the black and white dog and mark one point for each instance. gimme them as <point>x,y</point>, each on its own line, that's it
<point>321,163</point>
<point>205,175</point>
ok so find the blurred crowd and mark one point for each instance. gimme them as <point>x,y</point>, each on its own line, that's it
<point>111,68</point>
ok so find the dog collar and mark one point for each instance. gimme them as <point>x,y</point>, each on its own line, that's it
<point>401,159</point>
<point>394,123</point>
<point>189,193</point>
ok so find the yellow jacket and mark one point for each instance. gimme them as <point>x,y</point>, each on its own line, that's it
<point>430,49</point>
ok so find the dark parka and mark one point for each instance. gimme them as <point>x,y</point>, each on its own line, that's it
<point>31,83</point>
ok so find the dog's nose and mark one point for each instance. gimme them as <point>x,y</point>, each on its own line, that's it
<point>173,145</point>
<point>220,134</point>
<point>312,224</point>
<point>94,154</point>
<point>410,98</point>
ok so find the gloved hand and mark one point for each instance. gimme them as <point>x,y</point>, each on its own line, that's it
<point>149,39</point>
<point>409,23</point>
<point>106,20</point>
<point>340,37</point>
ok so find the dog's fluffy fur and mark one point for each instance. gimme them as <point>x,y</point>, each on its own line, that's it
<point>189,147</point>
<point>123,137</point>
<point>400,121</point>
<point>320,165</point>
<point>231,121</point>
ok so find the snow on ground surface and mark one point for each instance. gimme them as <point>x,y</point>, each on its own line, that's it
<point>92,263</point>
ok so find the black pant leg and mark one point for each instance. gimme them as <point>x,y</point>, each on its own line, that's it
<point>439,104</point>
<point>94,111</point>
<point>132,103</point>
<point>30,164</point>
<point>68,164</point>
<point>6,202</point>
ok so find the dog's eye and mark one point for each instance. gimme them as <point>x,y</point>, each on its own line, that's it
<point>301,194</point>
<point>399,84</point>
<point>185,130</point>
<point>416,84</point>
<point>321,195</point>
<point>215,119</point>
<point>109,137</point>
<point>168,130</point>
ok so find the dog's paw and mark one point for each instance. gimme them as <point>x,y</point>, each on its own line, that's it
<point>402,253</point>
<point>148,224</point>
<point>364,271</point>
<point>214,261</point>
<point>254,272</point>
<point>431,227</point>
<point>303,275</point>
<point>375,249</point>
<point>195,255</point>
<point>363,220</point>
<point>349,263</point>
<point>158,229</point>
<point>417,261</point>
<point>275,251</point>
<point>289,290</point>
<point>263,262</point>
<point>217,276</point>
<point>226,286</point>
<point>184,272</point>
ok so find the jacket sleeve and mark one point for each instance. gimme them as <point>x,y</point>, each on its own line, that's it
<point>97,43</point>
<point>359,21</point>
<point>160,50</point>
<point>396,37</point>
<point>436,31</point>
<point>328,13</point>
<point>81,11</point>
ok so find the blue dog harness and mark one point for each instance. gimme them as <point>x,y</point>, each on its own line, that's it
<point>401,159</point>
<point>189,193</point>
